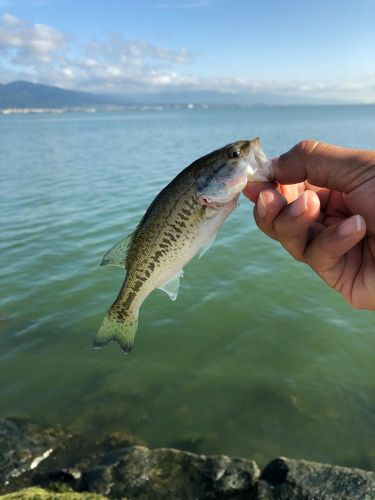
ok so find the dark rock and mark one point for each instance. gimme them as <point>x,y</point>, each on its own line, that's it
<point>286,479</point>
<point>34,455</point>
<point>117,467</point>
<point>265,491</point>
<point>67,466</point>
<point>23,445</point>
<point>140,473</point>
<point>59,480</point>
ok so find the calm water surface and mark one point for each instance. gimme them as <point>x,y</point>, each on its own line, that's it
<point>256,358</point>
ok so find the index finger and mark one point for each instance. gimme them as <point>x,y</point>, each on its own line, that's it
<point>253,189</point>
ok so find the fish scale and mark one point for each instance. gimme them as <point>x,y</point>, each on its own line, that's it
<point>181,221</point>
<point>146,268</point>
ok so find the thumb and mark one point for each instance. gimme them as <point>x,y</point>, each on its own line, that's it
<point>325,165</point>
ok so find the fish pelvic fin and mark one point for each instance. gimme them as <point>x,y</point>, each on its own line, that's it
<point>116,330</point>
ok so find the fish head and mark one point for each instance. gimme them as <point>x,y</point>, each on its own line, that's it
<point>224,173</point>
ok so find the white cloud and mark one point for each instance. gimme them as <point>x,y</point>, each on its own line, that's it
<point>26,43</point>
<point>41,53</point>
<point>116,49</point>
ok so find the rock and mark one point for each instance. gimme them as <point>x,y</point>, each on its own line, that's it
<point>23,446</point>
<point>285,479</point>
<point>117,467</point>
<point>41,494</point>
<point>34,455</point>
<point>140,473</point>
<point>71,466</point>
<point>66,468</point>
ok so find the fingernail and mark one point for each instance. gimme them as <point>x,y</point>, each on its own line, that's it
<point>350,226</point>
<point>264,199</point>
<point>299,206</point>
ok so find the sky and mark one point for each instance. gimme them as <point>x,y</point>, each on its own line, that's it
<point>321,49</point>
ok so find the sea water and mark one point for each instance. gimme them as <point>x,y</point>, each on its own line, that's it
<point>256,358</point>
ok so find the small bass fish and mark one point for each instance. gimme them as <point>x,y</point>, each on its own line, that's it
<point>183,220</point>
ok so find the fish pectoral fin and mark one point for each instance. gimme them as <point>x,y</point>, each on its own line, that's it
<point>116,256</point>
<point>207,246</point>
<point>171,286</point>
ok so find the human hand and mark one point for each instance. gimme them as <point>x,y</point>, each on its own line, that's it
<point>322,211</point>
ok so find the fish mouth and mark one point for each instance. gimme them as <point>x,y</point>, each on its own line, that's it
<point>222,186</point>
<point>259,167</point>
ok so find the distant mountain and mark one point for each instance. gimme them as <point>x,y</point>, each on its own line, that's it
<point>22,94</point>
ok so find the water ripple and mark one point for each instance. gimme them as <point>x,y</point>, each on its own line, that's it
<point>254,340</point>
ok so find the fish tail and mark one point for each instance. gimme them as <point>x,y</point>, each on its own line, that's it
<point>114,329</point>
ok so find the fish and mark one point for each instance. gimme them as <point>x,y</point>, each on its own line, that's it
<point>182,221</point>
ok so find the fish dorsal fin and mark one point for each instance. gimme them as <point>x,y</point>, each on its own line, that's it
<point>116,256</point>
<point>171,286</point>
<point>207,246</point>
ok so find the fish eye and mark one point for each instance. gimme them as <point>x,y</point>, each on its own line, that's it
<point>234,153</point>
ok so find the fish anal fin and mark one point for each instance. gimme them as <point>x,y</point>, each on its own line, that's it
<point>116,256</point>
<point>172,285</point>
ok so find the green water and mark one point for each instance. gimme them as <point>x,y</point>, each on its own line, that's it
<point>256,358</point>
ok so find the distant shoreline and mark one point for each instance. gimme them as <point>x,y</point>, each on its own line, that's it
<point>162,107</point>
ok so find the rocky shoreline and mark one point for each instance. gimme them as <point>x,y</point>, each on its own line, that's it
<point>39,462</point>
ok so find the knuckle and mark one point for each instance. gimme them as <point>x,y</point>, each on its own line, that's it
<point>305,147</point>
<point>293,164</point>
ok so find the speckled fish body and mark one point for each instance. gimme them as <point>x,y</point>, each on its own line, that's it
<point>181,221</point>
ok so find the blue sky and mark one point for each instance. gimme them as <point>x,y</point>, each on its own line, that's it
<point>315,48</point>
